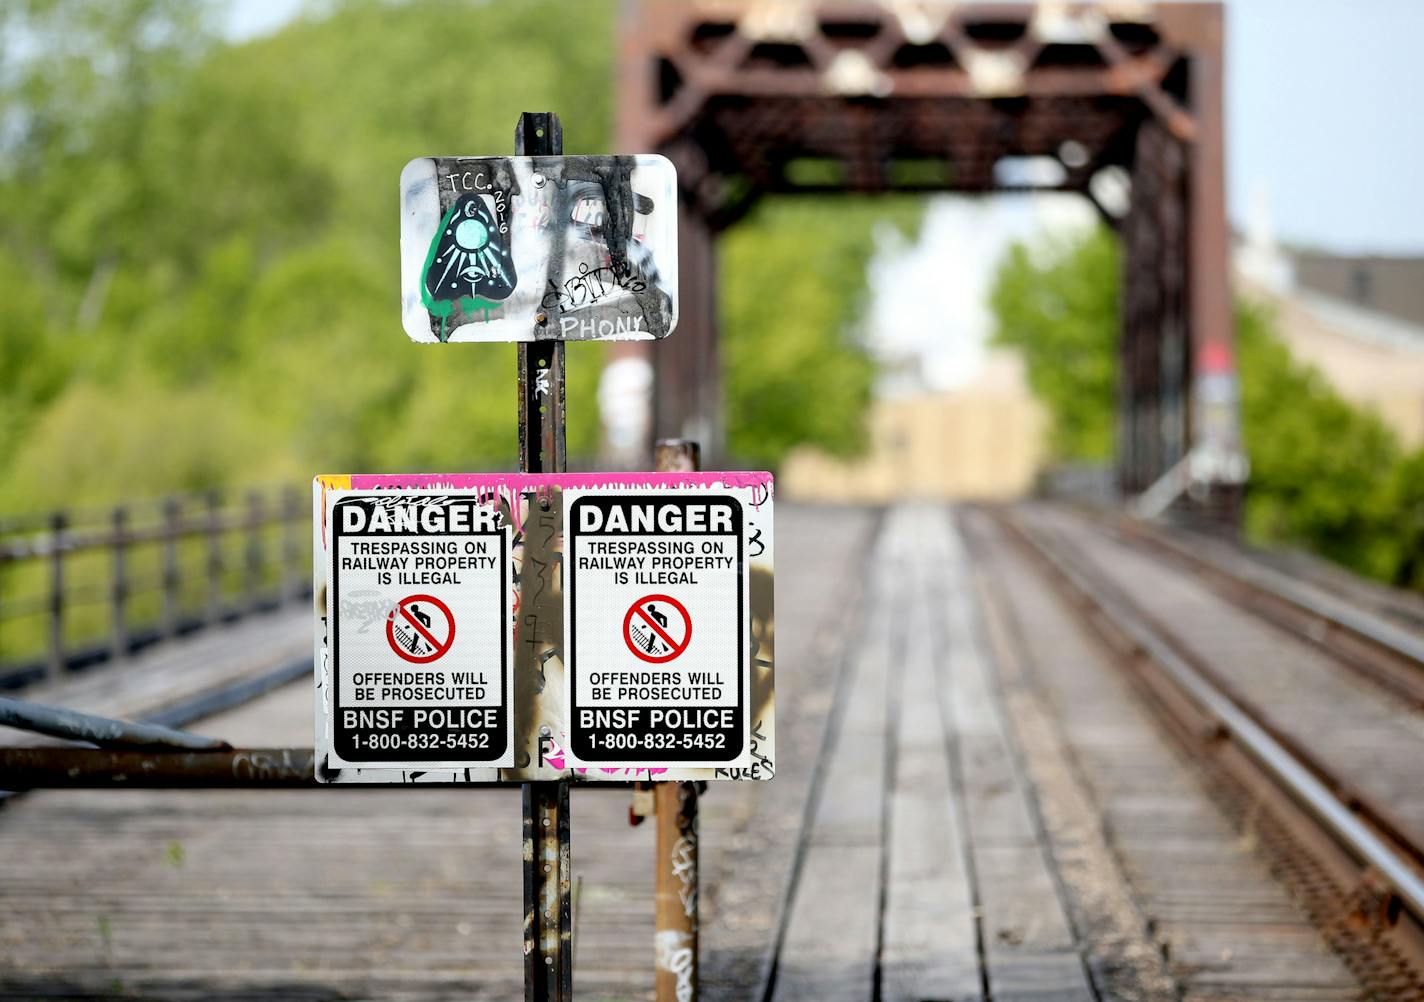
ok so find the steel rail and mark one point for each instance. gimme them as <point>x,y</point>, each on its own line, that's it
<point>1389,655</point>
<point>1234,722</point>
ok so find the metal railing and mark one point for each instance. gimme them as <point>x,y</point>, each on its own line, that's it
<point>82,586</point>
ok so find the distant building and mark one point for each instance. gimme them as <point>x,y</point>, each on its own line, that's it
<point>1390,285</point>
<point>983,440</point>
<point>1358,319</point>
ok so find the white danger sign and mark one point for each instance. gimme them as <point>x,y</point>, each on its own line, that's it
<point>568,248</point>
<point>419,623</point>
<point>657,626</point>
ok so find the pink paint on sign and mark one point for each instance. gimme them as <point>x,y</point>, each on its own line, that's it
<point>501,483</point>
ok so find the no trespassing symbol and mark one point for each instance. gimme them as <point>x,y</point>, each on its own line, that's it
<point>415,633</point>
<point>657,628</point>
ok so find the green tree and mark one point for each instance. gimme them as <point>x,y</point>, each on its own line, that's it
<point>1322,469</point>
<point>1325,474</point>
<point>1057,303</point>
<point>793,293</point>
<point>199,249</point>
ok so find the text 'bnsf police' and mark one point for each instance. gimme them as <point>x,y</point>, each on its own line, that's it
<point>657,561</point>
<point>410,560</point>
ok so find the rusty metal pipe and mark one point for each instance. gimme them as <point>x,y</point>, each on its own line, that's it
<point>676,929</point>
<point>675,939</point>
<point>90,768</point>
<point>105,732</point>
<point>66,767</point>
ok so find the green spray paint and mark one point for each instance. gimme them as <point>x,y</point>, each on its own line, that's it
<point>444,308</point>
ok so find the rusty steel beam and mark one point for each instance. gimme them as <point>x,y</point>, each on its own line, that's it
<point>42,767</point>
<point>48,767</point>
<point>736,92</point>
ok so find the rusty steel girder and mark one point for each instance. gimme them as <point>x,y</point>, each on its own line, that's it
<point>785,97</point>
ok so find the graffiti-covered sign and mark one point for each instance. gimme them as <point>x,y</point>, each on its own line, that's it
<point>419,601</point>
<point>657,624</point>
<point>614,626</point>
<point>534,248</point>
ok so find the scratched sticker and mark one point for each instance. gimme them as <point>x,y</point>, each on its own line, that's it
<point>578,248</point>
<point>643,600</point>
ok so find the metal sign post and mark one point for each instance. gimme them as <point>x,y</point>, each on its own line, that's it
<point>548,864</point>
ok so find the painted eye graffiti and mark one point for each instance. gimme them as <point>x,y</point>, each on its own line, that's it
<point>469,258</point>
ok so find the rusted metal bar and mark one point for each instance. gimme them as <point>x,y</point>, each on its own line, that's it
<point>106,732</point>
<point>541,363</point>
<point>102,768</point>
<point>676,929</point>
<point>675,938</point>
<point>119,587</point>
<point>66,767</point>
<point>548,862</point>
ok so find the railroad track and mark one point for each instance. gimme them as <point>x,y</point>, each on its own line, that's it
<point>1365,641</point>
<point>1352,857</point>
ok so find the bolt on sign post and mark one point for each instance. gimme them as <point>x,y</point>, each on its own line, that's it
<point>541,628</point>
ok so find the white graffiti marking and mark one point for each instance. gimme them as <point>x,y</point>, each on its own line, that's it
<point>674,955</point>
<point>684,868</point>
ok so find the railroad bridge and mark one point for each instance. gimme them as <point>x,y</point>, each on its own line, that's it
<point>1119,103</point>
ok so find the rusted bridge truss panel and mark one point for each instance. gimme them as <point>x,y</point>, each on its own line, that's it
<point>788,97</point>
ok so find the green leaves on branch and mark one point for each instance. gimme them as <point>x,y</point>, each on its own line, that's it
<point>1325,474</point>
<point>793,295</point>
<point>199,249</point>
<point>1057,303</point>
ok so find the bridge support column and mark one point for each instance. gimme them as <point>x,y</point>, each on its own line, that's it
<point>1179,438</point>
<point>1219,466</point>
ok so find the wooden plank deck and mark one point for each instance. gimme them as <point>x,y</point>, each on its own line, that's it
<point>935,832</point>
<point>967,899</point>
<point>403,893</point>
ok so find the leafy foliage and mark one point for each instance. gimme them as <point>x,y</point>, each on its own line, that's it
<point>1057,303</point>
<point>199,248</point>
<point>1325,474</point>
<point>792,294</point>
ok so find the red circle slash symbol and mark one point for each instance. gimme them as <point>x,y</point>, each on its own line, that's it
<point>415,626</point>
<point>657,628</point>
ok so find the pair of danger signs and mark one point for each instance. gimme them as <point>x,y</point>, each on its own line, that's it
<point>427,593</point>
